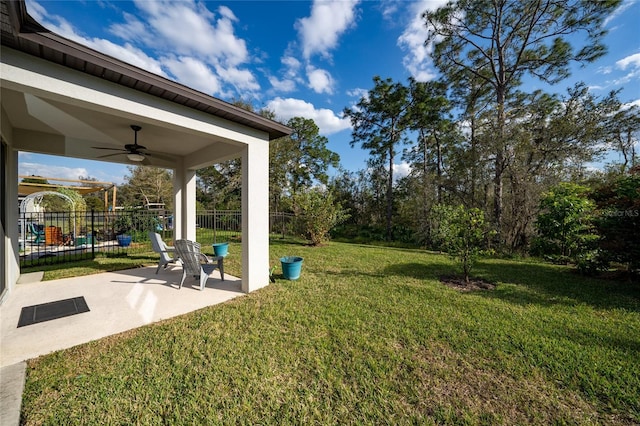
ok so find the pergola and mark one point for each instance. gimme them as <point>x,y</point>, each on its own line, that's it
<point>61,98</point>
<point>82,187</point>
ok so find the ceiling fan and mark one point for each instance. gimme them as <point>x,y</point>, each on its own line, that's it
<point>133,151</point>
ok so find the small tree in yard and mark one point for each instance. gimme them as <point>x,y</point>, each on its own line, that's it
<point>565,224</point>
<point>319,213</point>
<point>467,232</point>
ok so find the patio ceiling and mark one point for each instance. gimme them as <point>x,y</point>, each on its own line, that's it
<point>52,123</point>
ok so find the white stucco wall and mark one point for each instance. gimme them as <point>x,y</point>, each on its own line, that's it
<point>35,77</point>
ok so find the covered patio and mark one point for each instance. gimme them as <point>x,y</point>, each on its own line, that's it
<point>117,302</point>
<point>62,98</point>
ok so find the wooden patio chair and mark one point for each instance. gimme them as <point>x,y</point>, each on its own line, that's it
<point>196,263</point>
<point>167,253</point>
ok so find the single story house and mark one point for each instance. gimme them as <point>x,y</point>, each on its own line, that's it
<point>61,98</point>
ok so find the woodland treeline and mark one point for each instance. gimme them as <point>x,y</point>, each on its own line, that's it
<point>474,137</point>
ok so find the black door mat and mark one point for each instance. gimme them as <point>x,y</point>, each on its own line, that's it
<point>52,310</point>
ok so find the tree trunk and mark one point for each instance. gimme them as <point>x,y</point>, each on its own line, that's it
<point>390,197</point>
<point>499,166</point>
<point>438,167</point>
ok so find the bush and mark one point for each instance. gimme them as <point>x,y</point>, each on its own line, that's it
<point>565,226</point>
<point>319,214</point>
<point>461,232</point>
<point>618,220</point>
<point>468,234</point>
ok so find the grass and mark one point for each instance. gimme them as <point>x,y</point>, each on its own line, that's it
<point>368,335</point>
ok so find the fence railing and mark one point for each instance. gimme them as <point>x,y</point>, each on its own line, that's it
<point>59,237</point>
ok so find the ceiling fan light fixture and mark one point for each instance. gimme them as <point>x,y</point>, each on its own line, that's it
<point>134,156</point>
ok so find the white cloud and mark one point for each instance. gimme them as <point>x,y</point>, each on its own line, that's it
<point>194,73</point>
<point>401,170</point>
<point>412,40</point>
<point>623,6</point>
<point>319,32</point>
<point>290,75</point>
<point>631,60</point>
<point>631,104</point>
<point>203,41</point>
<point>46,170</point>
<point>325,119</point>
<point>126,53</point>
<point>320,80</point>
<point>358,93</point>
<point>187,28</point>
<point>242,79</point>
<point>605,70</point>
<point>291,63</point>
<point>283,86</point>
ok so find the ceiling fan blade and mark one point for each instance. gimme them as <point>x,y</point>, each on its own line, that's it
<point>112,149</point>
<point>134,147</point>
<point>159,156</point>
<point>111,155</point>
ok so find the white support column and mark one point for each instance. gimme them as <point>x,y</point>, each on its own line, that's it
<point>184,196</point>
<point>9,253</point>
<point>255,216</point>
<point>178,214</point>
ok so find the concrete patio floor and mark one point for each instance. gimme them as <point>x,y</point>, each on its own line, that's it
<point>118,301</point>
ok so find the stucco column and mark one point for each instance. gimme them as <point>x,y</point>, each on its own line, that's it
<point>255,216</point>
<point>184,201</point>
<point>10,255</point>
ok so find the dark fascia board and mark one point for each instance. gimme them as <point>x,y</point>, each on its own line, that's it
<point>29,29</point>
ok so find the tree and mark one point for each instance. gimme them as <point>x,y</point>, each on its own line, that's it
<point>428,115</point>
<point>220,186</point>
<point>624,128</point>
<point>379,123</point>
<point>565,223</point>
<point>319,213</point>
<point>618,221</point>
<point>551,139</point>
<point>309,158</point>
<point>299,161</point>
<point>463,233</point>
<point>146,184</point>
<point>500,42</point>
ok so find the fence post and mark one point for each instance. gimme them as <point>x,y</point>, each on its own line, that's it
<point>215,226</point>
<point>282,221</point>
<point>93,235</point>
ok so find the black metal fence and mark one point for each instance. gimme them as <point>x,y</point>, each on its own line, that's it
<point>58,237</point>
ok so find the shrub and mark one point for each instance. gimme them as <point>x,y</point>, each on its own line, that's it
<point>461,232</point>
<point>565,225</point>
<point>319,213</point>
<point>618,220</point>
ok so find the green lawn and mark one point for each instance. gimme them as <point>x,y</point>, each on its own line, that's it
<point>368,335</point>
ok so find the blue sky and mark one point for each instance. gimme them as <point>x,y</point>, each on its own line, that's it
<point>298,58</point>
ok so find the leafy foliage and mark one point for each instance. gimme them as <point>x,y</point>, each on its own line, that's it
<point>497,44</point>
<point>123,223</point>
<point>379,121</point>
<point>462,232</point>
<point>619,220</point>
<point>565,224</point>
<point>145,184</point>
<point>319,212</point>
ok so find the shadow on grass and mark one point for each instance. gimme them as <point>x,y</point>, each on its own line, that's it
<point>420,271</point>
<point>548,285</point>
<point>534,283</point>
